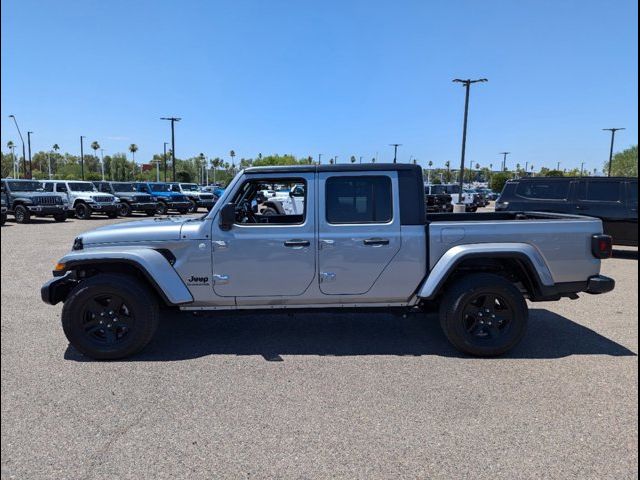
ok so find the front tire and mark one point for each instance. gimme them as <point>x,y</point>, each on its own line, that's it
<point>83,212</point>
<point>150,213</point>
<point>183,211</point>
<point>60,217</point>
<point>22,214</point>
<point>124,209</point>
<point>483,315</point>
<point>194,206</point>
<point>110,316</point>
<point>162,208</point>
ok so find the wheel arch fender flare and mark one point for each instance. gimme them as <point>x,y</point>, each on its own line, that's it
<point>151,263</point>
<point>528,255</point>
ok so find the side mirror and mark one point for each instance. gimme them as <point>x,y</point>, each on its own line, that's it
<point>227,216</point>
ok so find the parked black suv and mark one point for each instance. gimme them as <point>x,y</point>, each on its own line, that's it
<point>25,198</point>
<point>131,200</point>
<point>612,199</point>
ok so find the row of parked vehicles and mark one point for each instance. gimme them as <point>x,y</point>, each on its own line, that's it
<point>25,199</point>
<point>439,198</point>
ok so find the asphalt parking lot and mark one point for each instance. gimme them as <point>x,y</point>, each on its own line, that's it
<point>315,396</point>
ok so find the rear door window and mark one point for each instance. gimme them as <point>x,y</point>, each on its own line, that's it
<point>61,187</point>
<point>365,199</point>
<point>541,190</point>
<point>47,187</point>
<point>599,191</point>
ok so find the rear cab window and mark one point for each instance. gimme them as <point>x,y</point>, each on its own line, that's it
<point>356,200</point>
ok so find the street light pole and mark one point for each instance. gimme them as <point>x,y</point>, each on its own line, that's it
<point>24,154</point>
<point>102,162</point>
<point>504,160</point>
<point>173,120</point>
<point>467,84</point>
<point>29,150</point>
<point>164,156</point>
<point>613,135</point>
<point>581,169</point>
<point>319,159</point>
<point>395,150</point>
<point>81,157</point>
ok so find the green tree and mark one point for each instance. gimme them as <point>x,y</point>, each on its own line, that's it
<point>554,173</point>
<point>498,180</point>
<point>625,163</point>
<point>352,159</point>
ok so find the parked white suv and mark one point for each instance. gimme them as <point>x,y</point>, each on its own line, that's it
<point>83,197</point>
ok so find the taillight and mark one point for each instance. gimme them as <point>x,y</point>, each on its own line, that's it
<point>601,246</point>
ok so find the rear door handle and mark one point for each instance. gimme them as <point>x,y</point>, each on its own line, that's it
<point>376,242</point>
<point>297,243</point>
<point>581,207</point>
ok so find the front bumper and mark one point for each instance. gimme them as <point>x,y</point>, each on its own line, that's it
<point>205,203</point>
<point>103,207</point>
<point>143,207</point>
<point>57,289</point>
<point>600,284</point>
<point>47,209</point>
<point>178,205</point>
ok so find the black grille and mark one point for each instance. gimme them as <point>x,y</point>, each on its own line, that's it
<point>101,199</point>
<point>141,198</point>
<point>48,200</point>
<point>206,196</point>
<point>179,198</point>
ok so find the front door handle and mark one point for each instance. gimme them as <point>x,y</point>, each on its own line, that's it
<point>376,242</point>
<point>581,207</point>
<point>297,243</point>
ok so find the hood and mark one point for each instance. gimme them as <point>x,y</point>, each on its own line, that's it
<point>34,194</point>
<point>152,230</point>
<point>132,194</point>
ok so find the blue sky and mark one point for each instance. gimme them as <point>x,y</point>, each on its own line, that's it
<point>333,77</point>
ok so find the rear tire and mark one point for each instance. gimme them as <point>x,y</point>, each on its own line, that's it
<point>483,315</point>
<point>61,217</point>
<point>150,213</point>
<point>128,311</point>
<point>112,215</point>
<point>22,214</point>
<point>183,211</point>
<point>83,212</point>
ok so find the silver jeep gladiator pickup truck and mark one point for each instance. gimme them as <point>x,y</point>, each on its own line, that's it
<point>360,242</point>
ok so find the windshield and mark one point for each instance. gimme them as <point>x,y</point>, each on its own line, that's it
<point>81,187</point>
<point>124,187</point>
<point>160,187</point>
<point>25,186</point>
<point>190,187</point>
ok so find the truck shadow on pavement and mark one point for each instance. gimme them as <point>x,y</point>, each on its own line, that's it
<point>183,336</point>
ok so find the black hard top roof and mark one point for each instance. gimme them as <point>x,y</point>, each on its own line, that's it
<point>540,179</point>
<point>365,167</point>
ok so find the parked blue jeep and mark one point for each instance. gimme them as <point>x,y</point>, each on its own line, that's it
<point>167,200</point>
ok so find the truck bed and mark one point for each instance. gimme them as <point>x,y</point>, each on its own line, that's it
<point>563,241</point>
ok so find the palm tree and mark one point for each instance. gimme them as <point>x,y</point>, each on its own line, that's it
<point>133,148</point>
<point>353,159</point>
<point>373,159</point>
<point>232,154</point>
